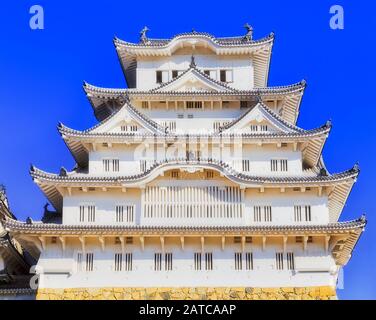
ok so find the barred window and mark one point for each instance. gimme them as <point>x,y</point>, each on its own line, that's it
<point>238,261</point>
<point>208,261</point>
<point>118,262</point>
<point>87,213</point>
<point>89,262</point>
<point>91,213</point>
<point>82,213</point>
<point>157,261</point>
<point>209,174</point>
<point>307,210</point>
<point>267,213</point>
<point>197,260</point>
<point>143,165</point>
<point>262,213</point>
<point>279,260</point>
<point>128,262</point>
<point>194,104</point>
<point>290,261</point>
<point>175,174</point>
<point>283,165</point>
<point>274,165</point>
<point>297,213</point>
<point>115,165</point>
<point>111,165</point>
<point>124,213</point>
<point>245,165</point>
<point>168,261</point>
<point>279,165</point>
<point>249,261</point>
<point>79,262</point>
<point>298,216</point>
<point>257,213</point>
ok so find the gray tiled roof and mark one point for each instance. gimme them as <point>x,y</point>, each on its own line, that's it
<point>221,41</point>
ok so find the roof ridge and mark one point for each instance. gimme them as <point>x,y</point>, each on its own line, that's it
<point>162,43</point>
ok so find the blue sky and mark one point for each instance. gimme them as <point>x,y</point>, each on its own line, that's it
<point>41,75</point>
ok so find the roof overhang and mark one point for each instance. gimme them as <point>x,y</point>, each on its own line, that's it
<point>340,237</point>
<point>311,141</point>
<point>339,185</point>
<point>106,101</point>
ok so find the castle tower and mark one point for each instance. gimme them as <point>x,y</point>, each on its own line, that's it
<point>195,183</point>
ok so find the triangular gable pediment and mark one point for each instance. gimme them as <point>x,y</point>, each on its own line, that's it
<point>122,117</point>
<point>193,80</point>
<point>261,116</point>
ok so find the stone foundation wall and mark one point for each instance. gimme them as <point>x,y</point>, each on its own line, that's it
<point>306,293</point>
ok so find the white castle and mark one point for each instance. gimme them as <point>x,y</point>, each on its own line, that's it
<point>195,183</point>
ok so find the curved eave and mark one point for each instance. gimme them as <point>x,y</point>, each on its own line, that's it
<point>314,140</point>
<point>343,235</point>
<point>339,184</point>
<point>105,100</point>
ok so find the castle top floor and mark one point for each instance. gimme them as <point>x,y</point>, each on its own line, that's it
<point>240,62</point>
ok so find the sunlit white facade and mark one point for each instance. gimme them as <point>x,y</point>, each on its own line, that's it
<point>196,175</point>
